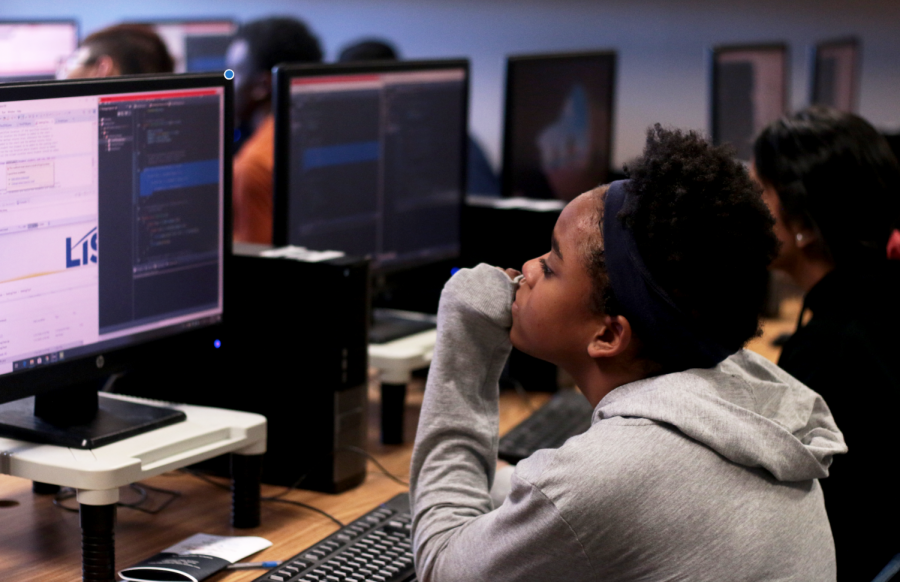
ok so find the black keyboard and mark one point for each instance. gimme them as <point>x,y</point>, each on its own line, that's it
<point>391,324</point>
<point>565,415</point>
<point>376,547</point>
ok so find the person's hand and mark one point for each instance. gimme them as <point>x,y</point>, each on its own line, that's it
<point>511,273</point>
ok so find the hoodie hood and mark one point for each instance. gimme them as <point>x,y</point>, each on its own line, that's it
<point>746,409</point>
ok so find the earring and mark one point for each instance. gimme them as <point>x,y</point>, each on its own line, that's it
<point>799,237</point>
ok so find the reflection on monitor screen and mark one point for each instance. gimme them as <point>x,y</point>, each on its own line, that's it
<point>33,51</point>
<point>111,222</point>
<point>749,91</point>
<point>196,46</point>
<point>558,135</point>
<point>835,75</point>
<point>374,163</point>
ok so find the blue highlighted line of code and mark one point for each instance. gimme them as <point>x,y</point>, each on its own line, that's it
<point>174,176</point>
<point>338,155</point>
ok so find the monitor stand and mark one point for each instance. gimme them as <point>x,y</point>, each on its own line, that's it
<point>80,417</point>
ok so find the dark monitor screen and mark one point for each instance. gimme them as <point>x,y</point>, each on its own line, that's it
<point>113,227</point>
<point>33,51</point>
<point>370,159</point>
<point>835,74</point>
<point>748,91</point>
<point>557,139</point>
<point>196,46</point>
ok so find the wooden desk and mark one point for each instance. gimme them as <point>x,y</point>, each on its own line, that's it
<point>41,542</point>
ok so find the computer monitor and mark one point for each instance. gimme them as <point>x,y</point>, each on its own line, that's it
<point>370,159</point>
<point>748,90</point>
<point>114,228</point>
<point>835,74</point>
<point>557,139</point>
<point>33,50</point>
<point>196,46</point>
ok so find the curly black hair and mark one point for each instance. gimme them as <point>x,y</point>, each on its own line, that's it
<point>279,39</point>
<point>703,231</point>
<point>834,173</point>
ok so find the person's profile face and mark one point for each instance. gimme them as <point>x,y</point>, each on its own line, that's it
<point>239,60</point>
<point>552,319</point>
<point>787,249</point>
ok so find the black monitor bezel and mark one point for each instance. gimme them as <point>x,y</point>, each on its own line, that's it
<point>846,42</point>
<point>44,21</point>
<point>506,182</point>
<point>163,21</point>
<point>84,369</point>
<point>717,50</point>
<point>281,102</point>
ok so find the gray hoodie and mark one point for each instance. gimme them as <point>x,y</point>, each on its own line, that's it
<point>706,474</point>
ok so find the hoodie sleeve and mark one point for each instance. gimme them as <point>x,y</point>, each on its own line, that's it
<point>456,535</point>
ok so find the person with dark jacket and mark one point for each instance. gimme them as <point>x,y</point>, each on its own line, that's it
<point>833,186</point>
<point>256,48</point>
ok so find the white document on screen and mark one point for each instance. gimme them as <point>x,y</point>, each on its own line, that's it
<point>49,240</point>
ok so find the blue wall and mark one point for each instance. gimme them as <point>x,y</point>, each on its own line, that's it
<point>662,44</point>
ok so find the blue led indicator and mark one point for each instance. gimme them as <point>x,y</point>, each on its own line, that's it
<point>217,344</point>
<point>229,74</point>
<point>453,271</point>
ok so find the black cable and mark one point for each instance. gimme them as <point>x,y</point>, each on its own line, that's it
<point>290,488</point>
<point>305,506</point>
<point>206,479</point>
<point>67,493</point>
<point>275,498</point>
<point>365,453</point>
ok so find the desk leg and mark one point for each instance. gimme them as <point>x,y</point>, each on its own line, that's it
<point>98,543</point>
<point>393,404</point>
<point>246,475</point>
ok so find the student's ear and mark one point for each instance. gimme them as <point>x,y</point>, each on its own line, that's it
<point>612,337</point>
<point>104,67</point>
<point>802,235</point>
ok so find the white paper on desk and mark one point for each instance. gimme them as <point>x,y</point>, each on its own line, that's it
<point>195,558</point>
<point>231,548</point>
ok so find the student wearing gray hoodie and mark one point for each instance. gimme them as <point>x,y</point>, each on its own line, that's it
<point>703,459</point>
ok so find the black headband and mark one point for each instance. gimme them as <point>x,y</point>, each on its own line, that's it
<point>671,334</point>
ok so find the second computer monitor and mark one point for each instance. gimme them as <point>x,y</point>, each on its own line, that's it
<point>370,159</point>
<point>196,46</point>
<point>835,74</point>
<point>34,50</point>
<point>748,91</point>
<point>558,132</point>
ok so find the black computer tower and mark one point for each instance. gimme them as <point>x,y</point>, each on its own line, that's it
<point>299,334</point>
<point>294,349</point>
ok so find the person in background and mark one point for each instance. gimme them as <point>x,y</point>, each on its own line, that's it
<point>371,49</point>
<point>480,177</point>
<point>703,459</point>
<point>256,48</point>
<point>123,49</point>
<point>833,186</point>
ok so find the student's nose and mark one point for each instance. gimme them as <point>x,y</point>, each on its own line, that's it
<point>531,269</point>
